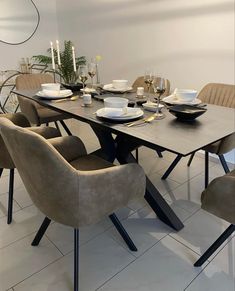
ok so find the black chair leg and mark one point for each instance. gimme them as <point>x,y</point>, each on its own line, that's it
<point>224,164</point>
<point>190,159</point>
<point>65,127</point>
<point>123,232</point>
<point>41,231</point>
<point>1,170</point>
<point>76,259</point>
<point>215,245</point>
<point>137,155</point>
<point>172,166</point>
<point>10,197</point>
<point>206,169</point>
<point>159,153</point>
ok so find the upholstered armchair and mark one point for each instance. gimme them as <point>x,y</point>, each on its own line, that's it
<point>69,186</point>
<point>219,199</point>
<point>221,95</point>
<point>36,113</point>
<point>5,159</point>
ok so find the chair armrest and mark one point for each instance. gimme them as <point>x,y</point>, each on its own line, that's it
<point>70,147</point>
<point>102,192</point>
<point>17,118</point>
<point>219,197</point>
<point>47,132</point>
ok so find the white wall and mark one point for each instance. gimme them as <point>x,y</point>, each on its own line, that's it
<point>10,55</point>
<point>189,42</point>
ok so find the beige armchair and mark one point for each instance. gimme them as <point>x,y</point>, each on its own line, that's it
<point>5,159</point>
<point>221,95</point>
<point>219,199</point>
<point>71,187</point>
<point>36,113</point>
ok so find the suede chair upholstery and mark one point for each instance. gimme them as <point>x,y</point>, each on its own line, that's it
<point>219,199</point>
<point>139,82</point>
<point>221,95</point>
<point>36,113</point>
<point>5,159</point>
<point>68,185</point>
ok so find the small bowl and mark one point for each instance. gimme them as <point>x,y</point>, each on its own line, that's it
<point>185,94</point>
<point>120,84</point>
<point>186,112</point>
<point>50,86</point>
<point>115,102</point>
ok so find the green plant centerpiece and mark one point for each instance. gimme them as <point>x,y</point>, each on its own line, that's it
<point>65,70</point>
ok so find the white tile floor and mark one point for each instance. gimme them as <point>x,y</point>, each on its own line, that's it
<point>164,260</point>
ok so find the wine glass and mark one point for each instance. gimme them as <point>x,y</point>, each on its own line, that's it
<point>148,79</point>
<point>92,71</point>
<point>159,88</point>
<point>83,75</point>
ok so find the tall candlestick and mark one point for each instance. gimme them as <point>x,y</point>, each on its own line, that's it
<point>58,52</point>
<point>74,62</point>
<point>52,56</point>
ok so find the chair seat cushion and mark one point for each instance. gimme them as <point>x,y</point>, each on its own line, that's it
<point>47,115</point>
<point>90,163</point>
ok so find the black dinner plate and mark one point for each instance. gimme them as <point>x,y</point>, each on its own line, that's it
<point>186,112</point>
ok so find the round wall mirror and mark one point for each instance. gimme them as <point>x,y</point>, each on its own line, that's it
<point>18,21</point>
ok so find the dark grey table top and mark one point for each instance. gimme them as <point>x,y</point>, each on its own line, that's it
<point>169,133</point>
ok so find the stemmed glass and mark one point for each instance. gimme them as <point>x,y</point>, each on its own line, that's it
<point>159,88</point>
<point>92,71</point>
<point>83,75</point>
<point>148,79</point>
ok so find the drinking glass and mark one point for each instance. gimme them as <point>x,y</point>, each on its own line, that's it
<point>83,75</point>
<point>159,88</point>
<point>92,71</point>
<point>148,79</point>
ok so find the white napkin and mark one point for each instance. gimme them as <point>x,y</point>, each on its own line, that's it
<point>120,112</point>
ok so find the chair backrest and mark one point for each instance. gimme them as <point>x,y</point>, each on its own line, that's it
<point>218,94</point>
<point>31,82</point>
<point>49,179</point>
<point>5,159</point>
<point>219,197</point>
<point>139,82</point>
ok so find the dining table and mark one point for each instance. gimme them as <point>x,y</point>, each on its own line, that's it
<point>171,134</point>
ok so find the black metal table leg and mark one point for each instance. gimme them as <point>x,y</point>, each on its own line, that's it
<point>171,167</point>
<point>158,203</point>
<point>190,159</point>
<point>65,127</point>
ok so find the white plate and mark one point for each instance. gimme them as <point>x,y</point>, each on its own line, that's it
<point>109,87</point>
<point>151,106</point>
<point>120,114</point>
<point>172,99</point>
<point>62,94</point>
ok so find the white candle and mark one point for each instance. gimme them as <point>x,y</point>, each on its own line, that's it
<point>52,56</point>
<point>74,62</point>
<point>58,52</point>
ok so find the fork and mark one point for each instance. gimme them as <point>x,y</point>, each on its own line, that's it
<point>142,121</point>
